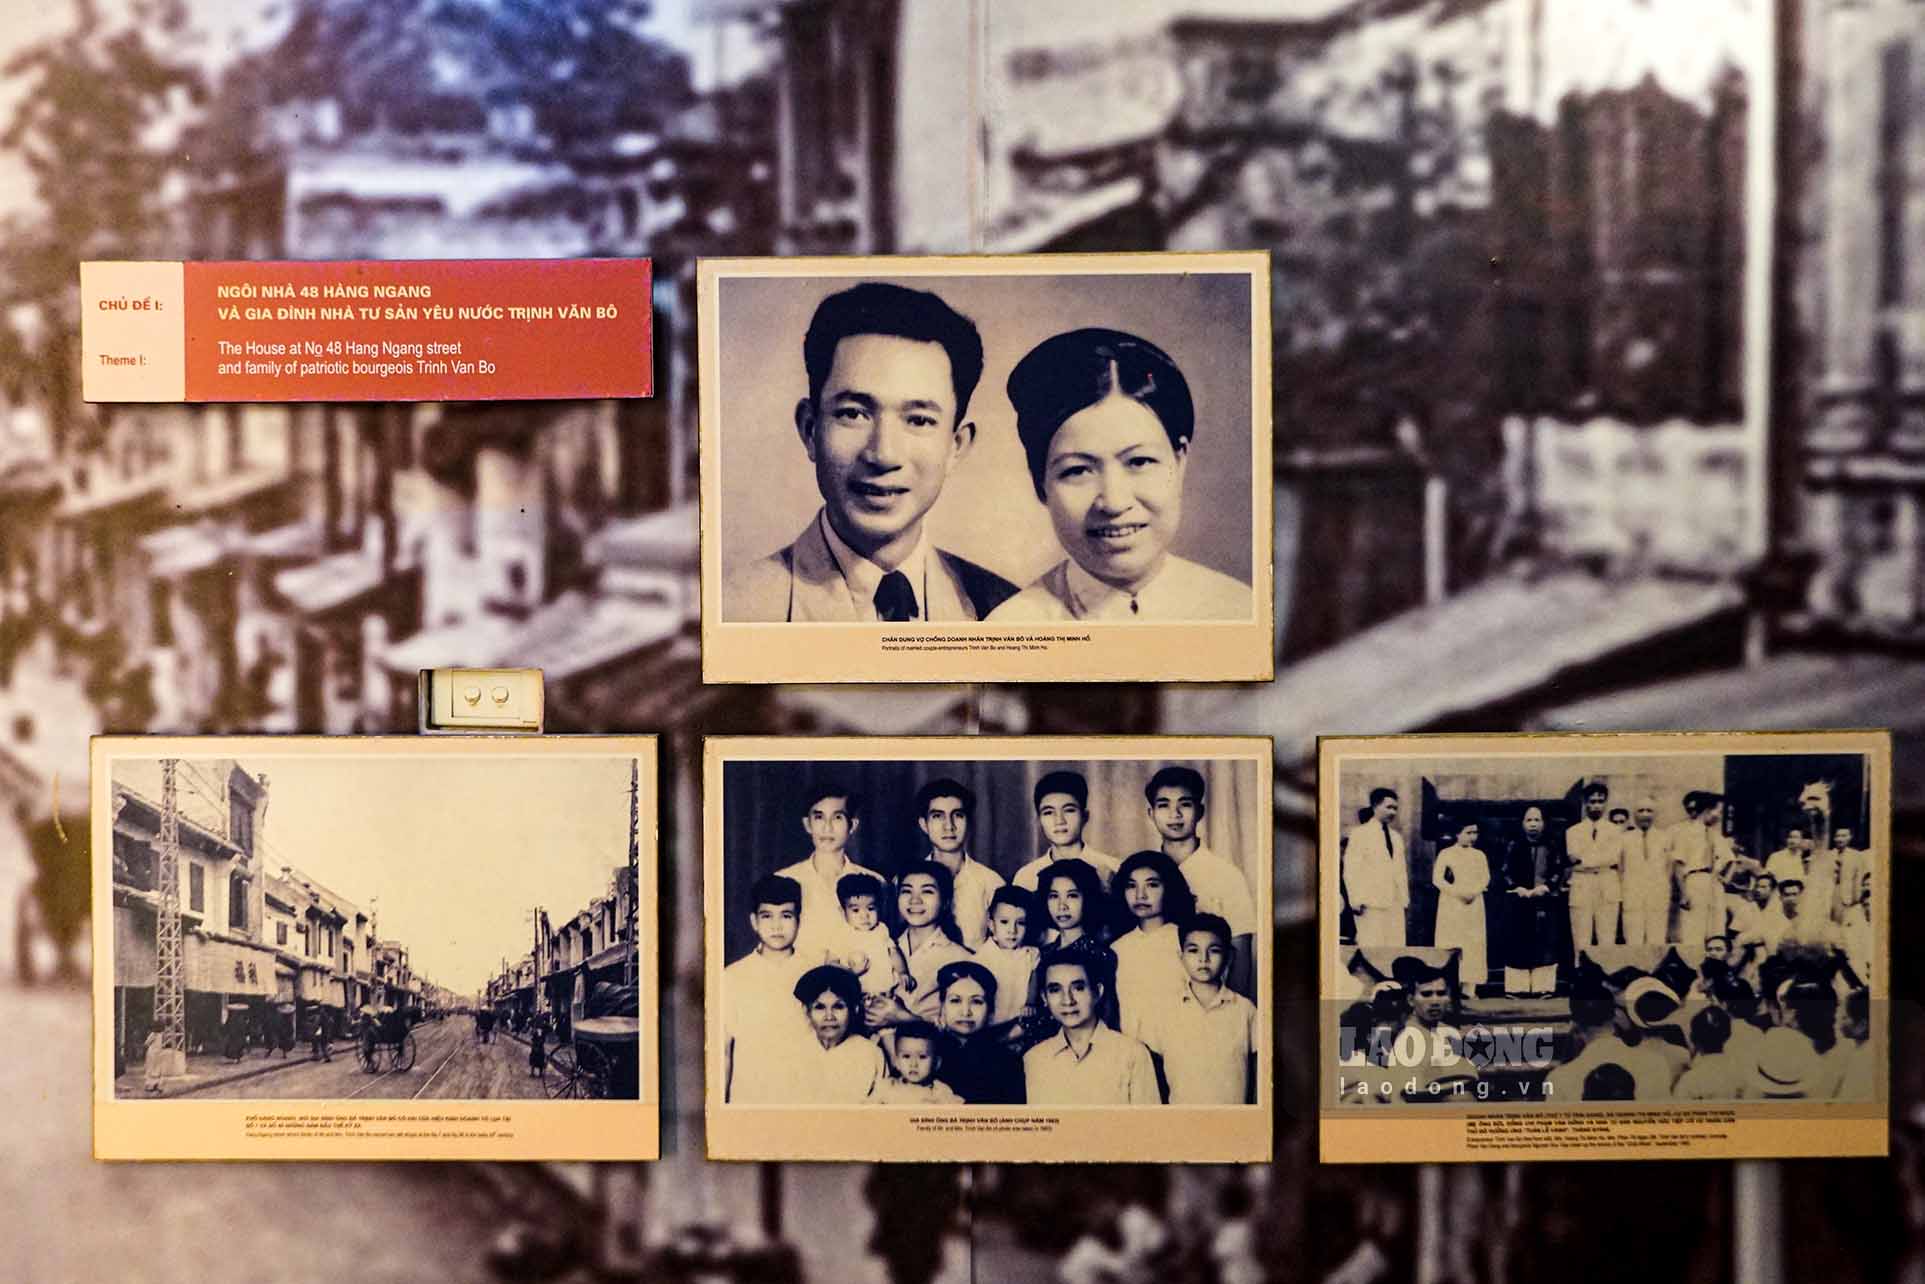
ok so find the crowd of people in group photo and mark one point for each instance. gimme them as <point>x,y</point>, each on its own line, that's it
<point>1603,955</point>
<point>1078,979</point>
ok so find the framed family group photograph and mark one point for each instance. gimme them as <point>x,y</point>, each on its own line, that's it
<point>375,948</point>
<point>1604,946</point>
<point>989,948</point>
<point>986,469</point>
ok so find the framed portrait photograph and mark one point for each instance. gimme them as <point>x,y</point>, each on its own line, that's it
<point>1020,468</point>
<point>988,948</point>
<point>375,948</point>
<point>1604,946</point>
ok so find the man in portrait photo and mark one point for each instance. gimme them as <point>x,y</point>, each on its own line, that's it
<point>891,371</point>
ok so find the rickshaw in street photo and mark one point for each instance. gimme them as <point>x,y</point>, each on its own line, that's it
<point>601,1057</point>
<point>386,1036</point>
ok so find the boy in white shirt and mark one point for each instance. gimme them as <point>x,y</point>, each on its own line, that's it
<point>866,948</point>
<point>1177,805</point>
<point>1208,1037</point>
<point>761,1027</point>
<point>1062,811</point>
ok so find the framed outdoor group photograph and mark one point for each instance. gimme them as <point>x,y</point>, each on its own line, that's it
<point>1604,946</point>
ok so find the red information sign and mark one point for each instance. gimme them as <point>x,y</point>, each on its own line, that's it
<point>430,330</point>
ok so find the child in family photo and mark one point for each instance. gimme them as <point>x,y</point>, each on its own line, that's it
<point>1208,1036</point>
<point>760,1027</point>
<point>1010,952</point>
<point>919,1056</point>
<point>867,948</point>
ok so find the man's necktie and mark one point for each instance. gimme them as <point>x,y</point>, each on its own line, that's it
<point>1388,849</point>
<point>895,599</point>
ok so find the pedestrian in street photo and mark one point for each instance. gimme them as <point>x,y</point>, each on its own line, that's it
<point>234,1034</point>
<point>153,1058</point>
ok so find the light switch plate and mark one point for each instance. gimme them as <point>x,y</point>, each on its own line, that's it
<point>493,700</point>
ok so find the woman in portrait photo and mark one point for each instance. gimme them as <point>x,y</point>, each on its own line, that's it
<point>1154,897</point>
<point>1106,420</point>
<point>926,910</point>
<point>981,1066</point>
<point>841,1066</point>
<point>1078,914</point>
<point>1461,876</point>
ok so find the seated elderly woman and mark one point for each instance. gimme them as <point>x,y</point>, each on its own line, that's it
<point>1106,420</point>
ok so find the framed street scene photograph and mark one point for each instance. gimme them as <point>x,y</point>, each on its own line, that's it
<point>988,948</point>
<point>1018,468</point>
<point>1604,946</point>
<point>375,948</point>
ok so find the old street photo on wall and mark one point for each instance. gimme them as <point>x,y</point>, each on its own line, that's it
<point>393,928</point>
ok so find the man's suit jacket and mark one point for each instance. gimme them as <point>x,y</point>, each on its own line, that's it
<point>802,582</point>
<point>1646,879</point>
<point>1375,877</point>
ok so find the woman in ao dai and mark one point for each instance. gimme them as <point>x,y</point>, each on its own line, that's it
<point>1461,876</point>
<point>1153,897</point>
